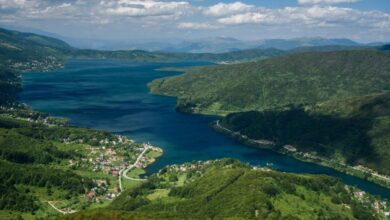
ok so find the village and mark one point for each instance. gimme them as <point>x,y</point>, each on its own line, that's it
<point>49,63</point>
<point>111,162</point>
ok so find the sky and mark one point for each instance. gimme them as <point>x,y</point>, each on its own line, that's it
<point>359,20</point>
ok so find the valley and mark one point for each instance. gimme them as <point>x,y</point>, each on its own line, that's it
<point>83,157</point>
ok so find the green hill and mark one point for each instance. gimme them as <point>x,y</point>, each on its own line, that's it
<point>25,41</point>
<point>227,189</point>
<point>353,131</point>
<point>297,79</point>
<point>26,51</point>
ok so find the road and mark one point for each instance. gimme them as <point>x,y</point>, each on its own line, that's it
<point>361,170</point>
<point>124,171</point>
<point>70,211</point>
<point>223,128</point>
<point>133,165</point>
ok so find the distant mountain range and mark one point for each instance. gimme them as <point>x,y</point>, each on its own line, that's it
<point>203,45</point>
<point>214,45</point>
<point>32,52</point>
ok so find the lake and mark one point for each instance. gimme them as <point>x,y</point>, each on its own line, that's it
<point>113,96</point>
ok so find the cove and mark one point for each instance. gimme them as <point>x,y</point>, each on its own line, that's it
<point>113,96</point>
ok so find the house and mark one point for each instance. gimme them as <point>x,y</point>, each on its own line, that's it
<point>290,148</point>
<point>90,195</point>
<point>101,183</point>
<point>115,172</point>
<point>359,194</point>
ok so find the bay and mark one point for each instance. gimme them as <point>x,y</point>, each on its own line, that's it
<point>113,96</point>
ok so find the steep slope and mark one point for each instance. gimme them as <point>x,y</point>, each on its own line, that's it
<point>227,189</point>
<point>352,131</point>
<point>26,40</point>
<point>25,51</point>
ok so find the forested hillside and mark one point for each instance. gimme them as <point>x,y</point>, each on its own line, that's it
<point>227,189</point>
<point>354,131</point>
<point>10,85</point>
<point>297,79</point>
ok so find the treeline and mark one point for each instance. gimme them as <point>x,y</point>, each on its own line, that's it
<point>18,148</point>
<point>12,174</point>
<point>42,176</point>
<point>12,199</point>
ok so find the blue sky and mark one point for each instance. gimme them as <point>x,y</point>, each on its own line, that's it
<point>143,20</point>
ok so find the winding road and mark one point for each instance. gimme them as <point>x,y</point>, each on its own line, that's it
<point>133,165</point>
<point>70,211</point>
<point>124,171</point>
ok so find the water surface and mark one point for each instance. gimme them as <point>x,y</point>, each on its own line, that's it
<point>113,96</point>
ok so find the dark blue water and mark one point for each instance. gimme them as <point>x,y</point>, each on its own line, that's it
<point>113,96</point>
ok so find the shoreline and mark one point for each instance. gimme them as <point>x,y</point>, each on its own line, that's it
<point>146,157</point>
<point>357,171</point>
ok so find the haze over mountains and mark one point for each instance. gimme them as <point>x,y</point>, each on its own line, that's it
<point>218,44</point>
<point>210,45</point>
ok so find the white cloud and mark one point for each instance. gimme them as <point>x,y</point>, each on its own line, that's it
<point>315,16</point>
<point>222,9</point>
<point>7,4</point>
<point>246,18</point>
<point>328,2</point>
<point>138,8</point>
<point>196,26</point>
<point>176,15</point>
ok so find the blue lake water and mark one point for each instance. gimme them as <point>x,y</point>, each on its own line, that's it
<point>113,96</point>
